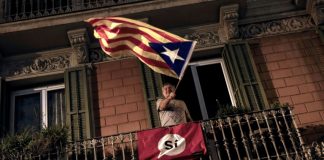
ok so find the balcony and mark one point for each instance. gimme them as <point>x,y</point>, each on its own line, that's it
<point>17,10</point>
<point>268,134</point>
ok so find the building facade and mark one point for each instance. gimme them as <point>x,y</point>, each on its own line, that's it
<point>252,54</point>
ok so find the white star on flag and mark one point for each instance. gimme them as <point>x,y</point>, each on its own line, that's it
<point>172,54</point>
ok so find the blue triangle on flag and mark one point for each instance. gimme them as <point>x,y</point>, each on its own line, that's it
<point>175,54</point>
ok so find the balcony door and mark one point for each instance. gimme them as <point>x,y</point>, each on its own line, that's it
<point>206,88</point>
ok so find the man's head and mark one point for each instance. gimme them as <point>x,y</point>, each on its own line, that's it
<point>167,89</point>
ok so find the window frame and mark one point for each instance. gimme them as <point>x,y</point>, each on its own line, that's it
<point>193,66</point>
<point>43,103</point>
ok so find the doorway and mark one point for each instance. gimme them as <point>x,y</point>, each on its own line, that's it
<point>205,88</point>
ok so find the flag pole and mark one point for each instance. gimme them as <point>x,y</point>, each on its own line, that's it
<point>186,63</point>
<point>177,85</point>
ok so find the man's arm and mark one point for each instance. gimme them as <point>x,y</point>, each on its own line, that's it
<point>163,104</point>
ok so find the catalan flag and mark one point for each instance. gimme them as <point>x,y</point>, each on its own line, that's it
<point>162,51</point>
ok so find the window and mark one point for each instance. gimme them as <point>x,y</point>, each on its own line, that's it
<point>205,88</point>
<point>211,87</point>
<point>37,108</point>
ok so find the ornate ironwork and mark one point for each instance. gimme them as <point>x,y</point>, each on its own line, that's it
<point>280,140</point>
<point>29,9</point>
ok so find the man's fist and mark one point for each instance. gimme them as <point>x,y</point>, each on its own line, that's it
<point>172,95</point>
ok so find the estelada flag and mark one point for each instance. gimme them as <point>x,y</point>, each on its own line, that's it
<point>163,52</point>
<point>178,142</point>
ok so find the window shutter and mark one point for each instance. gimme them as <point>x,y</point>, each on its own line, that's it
<point>248,90</point>
<point>152,89</point>
<point>78,103</point>
<point>320,31</point>
<point>318,54</point>
<point>2,110</point>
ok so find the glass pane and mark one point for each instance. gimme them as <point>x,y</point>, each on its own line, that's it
<point>27,112</point>
<point>187,92</point>
<point>213,87</point>
<point>56,107</point>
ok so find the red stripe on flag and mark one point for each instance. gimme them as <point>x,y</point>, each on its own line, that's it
<point>101,33</point>
<point>135,41</point>
<point>149,61</point>
<point>159,32</point>
<point>163,34</point>
<point>127,30</point>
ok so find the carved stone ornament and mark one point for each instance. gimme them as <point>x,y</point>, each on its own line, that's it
<point>205,38</point>
<point>78,40</point>
<point>37,65</point>
<point>316,9</point>
<point>276,27</point>
<point>81,54</point>
<point>229,23</point>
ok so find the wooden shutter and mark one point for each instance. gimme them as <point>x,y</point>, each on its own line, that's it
<point>78,103</point>
<point>320,30</point>
<point>319,56</point>
<point>2,110</point>
<point>247,87</point>
<point>152,89</point>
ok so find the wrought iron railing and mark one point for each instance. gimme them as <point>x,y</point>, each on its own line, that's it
<point>16,10</point>
<point>269,134</point>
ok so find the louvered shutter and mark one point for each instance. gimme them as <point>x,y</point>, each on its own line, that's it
<point>152,85</point>
<point>78,103</point>
<point>3,111</point>
<point>320,30</point>
<point>318,54</point>
<point>248,90</point>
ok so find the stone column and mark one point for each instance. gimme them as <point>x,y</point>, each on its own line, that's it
<point>79,40</point>
<point>229,23</point>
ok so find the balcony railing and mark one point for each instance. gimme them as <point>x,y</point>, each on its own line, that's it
<point>269,134</point>
<point>16,10</point>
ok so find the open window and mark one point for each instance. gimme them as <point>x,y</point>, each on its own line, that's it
<point>206,88</point>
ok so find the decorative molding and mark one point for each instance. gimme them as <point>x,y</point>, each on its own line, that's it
<point>36,65</point>
<point>205,35</point>
<point>316,9</point>
<point>229,22</point>
<point>275,27</point>
<point>205,38</point>
<point>79,41</point>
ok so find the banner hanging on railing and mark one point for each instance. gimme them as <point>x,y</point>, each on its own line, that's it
<point>177,142</point>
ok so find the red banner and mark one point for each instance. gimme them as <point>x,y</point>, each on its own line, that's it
<point>177,142</point>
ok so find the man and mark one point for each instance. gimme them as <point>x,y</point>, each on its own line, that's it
<point>171,111</point>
